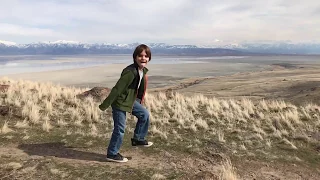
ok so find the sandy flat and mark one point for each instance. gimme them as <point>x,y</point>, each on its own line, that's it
<point>299,85</point>
<point>159,74</point>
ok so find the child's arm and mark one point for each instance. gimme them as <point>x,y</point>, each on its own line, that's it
<point>125,80</point>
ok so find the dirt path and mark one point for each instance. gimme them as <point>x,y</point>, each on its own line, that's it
<point>60,152</point>
<point>198,167</point>
<point>22,157</point>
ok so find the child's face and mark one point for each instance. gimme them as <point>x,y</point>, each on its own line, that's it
<point>142,59</point>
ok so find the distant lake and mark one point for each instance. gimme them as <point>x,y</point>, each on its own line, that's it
<point>40,63</point>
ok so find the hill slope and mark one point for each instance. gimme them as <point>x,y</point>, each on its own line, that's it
<point>48,132</point>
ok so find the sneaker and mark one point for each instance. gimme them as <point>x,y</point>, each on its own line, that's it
<point>116,158</point>
<point>143,143</point>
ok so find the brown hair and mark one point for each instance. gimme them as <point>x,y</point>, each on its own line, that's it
<point>139,49</point>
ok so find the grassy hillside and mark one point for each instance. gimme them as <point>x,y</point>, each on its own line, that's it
<point>49,132</point>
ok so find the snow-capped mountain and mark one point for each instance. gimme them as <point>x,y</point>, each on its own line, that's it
<point>273,47</point>
<point>74,47</point>
<point>279,48</point>
<point>7,43</point>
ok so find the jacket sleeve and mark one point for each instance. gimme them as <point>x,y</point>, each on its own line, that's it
<point>123,83</point>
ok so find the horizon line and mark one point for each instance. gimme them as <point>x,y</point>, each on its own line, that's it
<point>194,44</point>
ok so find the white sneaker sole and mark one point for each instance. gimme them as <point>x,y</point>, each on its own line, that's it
<point>118,161</point>
<point>149,144</point>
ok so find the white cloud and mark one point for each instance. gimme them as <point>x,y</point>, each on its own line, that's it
<point>177,22</point>
<point>11,29</point>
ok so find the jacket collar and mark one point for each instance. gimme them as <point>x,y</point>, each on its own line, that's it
<point>145,70</point>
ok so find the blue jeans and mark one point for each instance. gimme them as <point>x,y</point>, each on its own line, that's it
<point>119,119</point>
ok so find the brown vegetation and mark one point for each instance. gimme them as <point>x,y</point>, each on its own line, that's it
<point>237,127</point>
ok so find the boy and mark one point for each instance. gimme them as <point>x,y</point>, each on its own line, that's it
<point>127,96</point>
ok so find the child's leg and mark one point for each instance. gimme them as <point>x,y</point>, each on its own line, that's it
<point>119,119</point>
<point>142,125</point>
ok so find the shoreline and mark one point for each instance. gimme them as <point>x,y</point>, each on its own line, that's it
<point>295,83</point>
<point>180,83</point>
<point>160,75</point>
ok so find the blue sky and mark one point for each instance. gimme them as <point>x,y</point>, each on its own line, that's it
<point>169,21</point>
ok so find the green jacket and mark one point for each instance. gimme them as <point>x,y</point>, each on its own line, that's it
<point>125,92</point>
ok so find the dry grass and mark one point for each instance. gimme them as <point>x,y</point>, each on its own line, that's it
<point>22,124</point>
<point>266,123</point>
<point>228,171</point>
<point>5,128</point>
<point>46,126</point>
<point>244,126</point>
<point>158,177</point>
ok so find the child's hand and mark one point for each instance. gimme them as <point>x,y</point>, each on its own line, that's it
<point>101,108</point>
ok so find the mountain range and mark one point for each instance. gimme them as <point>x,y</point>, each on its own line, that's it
<point>63,47</point>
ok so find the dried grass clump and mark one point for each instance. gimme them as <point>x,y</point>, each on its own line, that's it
<point>228,171</point>
<point>226,120</point>
<point>5,128</point>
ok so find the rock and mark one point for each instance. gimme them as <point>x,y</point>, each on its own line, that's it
<point>167,154</point>
<point>97,93</point>
<point>14,166</point>
<point>316,136</point>
<point>35,157</point>
<point>4,88</point>
<point>4,110</point>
